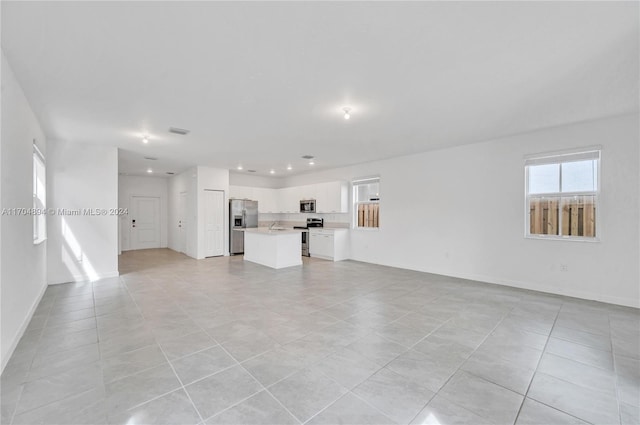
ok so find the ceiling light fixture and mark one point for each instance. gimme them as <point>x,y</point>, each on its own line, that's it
<point>347,113</point>
<point>289,167</point>
<point>149,170</point>
<point>145,139</point>
<point>272,172</point>
<point>312,162</point>
<point>239,167</point>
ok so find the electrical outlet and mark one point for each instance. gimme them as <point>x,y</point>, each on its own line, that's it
<point>564,268</point>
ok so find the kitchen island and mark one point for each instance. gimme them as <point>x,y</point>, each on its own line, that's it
<point>277,248</point>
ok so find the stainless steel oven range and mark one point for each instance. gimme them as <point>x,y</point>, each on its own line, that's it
<point>311,222</point>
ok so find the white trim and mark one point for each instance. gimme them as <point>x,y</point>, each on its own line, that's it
<point>531,158</point>
<point>365,180</point>
<point>23,327</point>
<point>81,278</point>
<point>588,239</point>
<point>562,158</point>
<point>530,286</point>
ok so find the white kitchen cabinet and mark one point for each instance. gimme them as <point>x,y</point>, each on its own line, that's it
<point>288,200</point>
<point>241,192</point>
<point>267,199</point>
<point>329,244</point>
<point>332,197</point>
<point>307,192</point>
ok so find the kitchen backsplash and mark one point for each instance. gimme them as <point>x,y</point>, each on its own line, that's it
<point>290,220</point>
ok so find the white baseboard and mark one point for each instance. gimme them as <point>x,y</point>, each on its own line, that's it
<point>554,290</point>
<point>531,286</point>
<point>23,327</point>
<point>81,278</point>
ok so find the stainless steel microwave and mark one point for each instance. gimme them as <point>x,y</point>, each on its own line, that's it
<point>308,206</point>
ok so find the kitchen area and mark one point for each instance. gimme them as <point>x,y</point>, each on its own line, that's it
<point>278,227</point>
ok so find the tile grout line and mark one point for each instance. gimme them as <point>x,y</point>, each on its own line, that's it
<point>23,383</point>
<point>535,372</point>
<point>167,359</point>
<point>615,372</point>
<point>15,410</point>
<point>266,388</point>
<point>252,377</point>
<point>350,391</point>
<point>459,367</point>
<point>203,420</point>
<point>167,292</point>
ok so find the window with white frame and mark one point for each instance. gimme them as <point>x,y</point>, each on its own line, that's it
<point>562,195</point>
<point>366,200</point>
<point>39,196</point>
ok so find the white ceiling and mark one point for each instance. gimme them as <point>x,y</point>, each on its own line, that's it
<point>262,84</point>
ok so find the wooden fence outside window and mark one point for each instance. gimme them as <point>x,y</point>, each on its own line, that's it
<point>368,214</point>
<point>578,216</point>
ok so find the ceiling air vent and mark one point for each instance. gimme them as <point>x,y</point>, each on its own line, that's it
<point>307,156</point>
<point>251,171</point>
<point>180,131</point>
<point>150,158</point>
<point>171,173</point>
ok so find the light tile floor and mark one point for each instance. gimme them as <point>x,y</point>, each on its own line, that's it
<point>179,341</point>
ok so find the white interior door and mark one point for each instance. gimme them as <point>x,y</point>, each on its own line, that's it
<point>182,223</point>
<point>145,222</point>
<point>214,222</point>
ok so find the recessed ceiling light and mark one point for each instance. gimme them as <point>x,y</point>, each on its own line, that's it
<point>312,162</point>
<point>347,113</point>
<point>289,167</point>
<point>272,172</point>
<point>149,170</point>
<point>239,167</point>
<point>145,139</point>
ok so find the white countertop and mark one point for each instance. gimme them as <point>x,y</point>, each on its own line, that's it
<point>266,231</point>
<point>327,229</point>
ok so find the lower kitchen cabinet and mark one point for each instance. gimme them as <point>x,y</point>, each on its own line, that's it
<point>329,244</point>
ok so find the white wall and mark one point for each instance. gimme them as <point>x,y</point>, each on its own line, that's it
<point>211,179</point>
<point>460,212</point>
<point>239,178</point>
<point>195,181</point>
<point>23,273</point>
<point>129,186</point>
<point>82,175</point>
<point>183,182</point>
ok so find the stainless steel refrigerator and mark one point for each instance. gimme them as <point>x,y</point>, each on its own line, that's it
<point>243,214</point>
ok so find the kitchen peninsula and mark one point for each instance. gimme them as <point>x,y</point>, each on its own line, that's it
<point>275,248</point>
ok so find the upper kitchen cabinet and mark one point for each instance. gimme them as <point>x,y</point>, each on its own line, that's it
<point>241,192</point>
<point>289,199</point>
<point>267,199</point>
<point>332,197</point>
<point>307,192</point>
